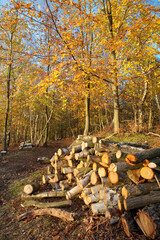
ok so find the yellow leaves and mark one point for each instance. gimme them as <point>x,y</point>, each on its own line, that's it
<point>39,14</point>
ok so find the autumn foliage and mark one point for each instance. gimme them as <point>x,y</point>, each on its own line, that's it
<point>67,66</point>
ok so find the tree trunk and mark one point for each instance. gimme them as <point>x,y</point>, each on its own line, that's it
<point>87,112</point>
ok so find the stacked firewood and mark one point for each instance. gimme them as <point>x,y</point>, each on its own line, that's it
<point>25,145</point>
<point>118,180</point>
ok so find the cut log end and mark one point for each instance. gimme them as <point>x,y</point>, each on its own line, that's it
<point>147,173</point>
<point>113,177</point>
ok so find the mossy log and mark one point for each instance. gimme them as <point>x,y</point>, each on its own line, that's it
<point>44,195</point>
<point>38,204</point>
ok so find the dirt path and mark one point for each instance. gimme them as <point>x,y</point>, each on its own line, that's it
<point>20,166</point>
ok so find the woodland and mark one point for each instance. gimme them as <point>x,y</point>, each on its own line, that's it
<point>72,67</point>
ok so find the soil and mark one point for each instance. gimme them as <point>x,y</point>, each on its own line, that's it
<point>15,170</point>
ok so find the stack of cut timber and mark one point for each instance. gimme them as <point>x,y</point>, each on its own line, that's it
<point>25,145</point>
<point>112,180</point>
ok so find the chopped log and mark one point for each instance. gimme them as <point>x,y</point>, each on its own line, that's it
<point>44,195</point>
<point>98,208</point>
<point>69,177</point>
<point>102,172</point>
<point>147,154</point>
<point>112,212</point>
<point>128,223</point>
<point>122,167</point>
<point>64,215</point>
<point>95,139</point>
<point>77,189</point>
<point>50,170</point>
<point>64,185</point>
<point>130,149</point>
<point>87,145</point>
<point>113,177</point>
<point>91,198</point>
<point>96,188</point>
<point>134,176</point>
<point>141,201</point>
<point>106,182</point>
<point>149,220</point>
<point>132,190</point>
<point>146,173</point>
<point>96,159</point>
<point>120,204</point>
<point>105,158</point>
<point>95,179</point>
<point>31,188</point>
<point>86,191</point>
<point>66,170</point>
<point>37,204</point>
<point>47,178</point>
<point>135,144</point>
<point>63,151</point>
<point>102,192</point>
<point>111,197</point>
<point>77,149</point>
<point>82,154</point>
<point>121,155</point>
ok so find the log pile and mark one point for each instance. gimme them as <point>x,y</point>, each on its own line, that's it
<point>117,180</point>
<point>25,145</point>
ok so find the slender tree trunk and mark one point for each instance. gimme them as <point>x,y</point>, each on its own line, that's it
<point>87,112</point>
<point>7,108</point>
<point>114,75</point>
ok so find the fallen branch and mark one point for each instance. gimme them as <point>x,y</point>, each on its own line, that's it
<point>64,215</point>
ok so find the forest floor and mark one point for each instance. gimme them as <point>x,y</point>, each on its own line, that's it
<point>20,167</point>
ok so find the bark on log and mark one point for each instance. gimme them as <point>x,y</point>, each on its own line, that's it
<point>128,223</point>
<point>47,178</point>
<point>82,154</point>
<point>111,197</point>
<point>134,176</point>
<point>63,151</point>
<point>98,208</point>
<point>66,170</point>
<point>96,188</point>
<point>147,154</point>
<point>37,204</point>
<point>77,149</point>
<point>112,212</point>
<point>132,190</point>
<point>44,195</point>
<point>64,215</point>
<point>149,220</point>
<point>31,188</point>
<point>135,144</point>
<point>91,198</point>
<point>122,167</point>
<point>141,201</point>
<point>121,155</point>
<point>77,189</point>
